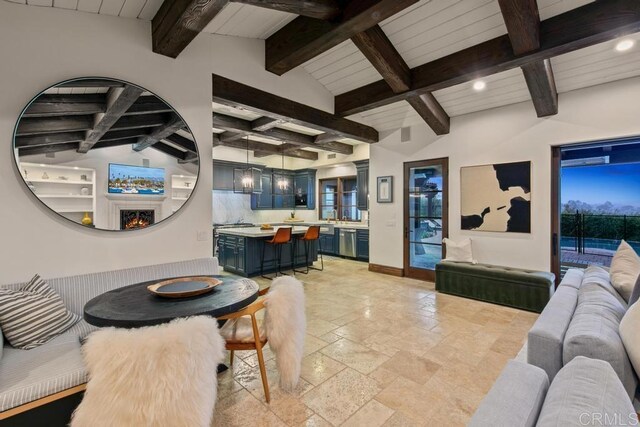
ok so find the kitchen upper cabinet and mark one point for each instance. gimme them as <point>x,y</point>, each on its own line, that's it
<point>222,176</point>
<point>264,200</point>
<point>362,175</point>
<point>304,189</point>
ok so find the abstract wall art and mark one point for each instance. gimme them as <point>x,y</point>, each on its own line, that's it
<point>496,197</point>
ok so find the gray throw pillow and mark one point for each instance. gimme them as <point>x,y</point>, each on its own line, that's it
<point>635,294</point>
<point>33,315</point>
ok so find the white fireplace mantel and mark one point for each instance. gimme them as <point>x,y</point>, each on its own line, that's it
<point>118,202</point>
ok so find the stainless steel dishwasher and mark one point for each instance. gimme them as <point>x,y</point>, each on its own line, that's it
<point>347,242</point>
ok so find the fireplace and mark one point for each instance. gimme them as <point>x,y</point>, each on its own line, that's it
<point>136,218</point>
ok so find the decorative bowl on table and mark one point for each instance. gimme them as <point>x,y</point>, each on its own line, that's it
<point>183,287</point>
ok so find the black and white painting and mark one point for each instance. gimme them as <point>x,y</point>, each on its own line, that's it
<point>496,197</point>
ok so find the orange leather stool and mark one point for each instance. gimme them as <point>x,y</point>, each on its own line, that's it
<point>281,238</point>
<point>312,235</point>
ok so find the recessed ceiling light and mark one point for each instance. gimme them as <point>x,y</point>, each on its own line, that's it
<point>625,45</point>
<point>479,85</point>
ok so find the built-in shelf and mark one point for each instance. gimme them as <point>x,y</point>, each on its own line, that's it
<point>63,196</point>
<point>180,192</point>
<point>60,181</point>
<point>70,197</point>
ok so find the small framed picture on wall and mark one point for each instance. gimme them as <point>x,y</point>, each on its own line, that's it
<point>385,189</point>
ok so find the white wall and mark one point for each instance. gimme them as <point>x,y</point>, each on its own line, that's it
<point>506,134</point>
<point>42,46</point>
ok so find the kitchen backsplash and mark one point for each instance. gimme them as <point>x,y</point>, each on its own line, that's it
<point>229,207</point>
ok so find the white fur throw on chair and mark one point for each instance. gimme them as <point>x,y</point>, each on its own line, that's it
<point>286,324</point>
<point>155,376</point>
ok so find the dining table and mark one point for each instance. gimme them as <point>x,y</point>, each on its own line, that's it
<point>135,306</point>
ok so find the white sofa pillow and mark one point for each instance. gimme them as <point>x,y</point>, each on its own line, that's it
<point>458,251</point>
<point>628,330</point>
<point>624,271</point>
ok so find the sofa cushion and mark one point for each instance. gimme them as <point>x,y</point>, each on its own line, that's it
<point>33,315</point>
<point>593,332</point>
<point>515,399</point>
<point>585,391</point>
<point>635,294</point>
<point>28,375</point>
<point>625,268</point>
<point>601,277</point>
<point>629,335</point>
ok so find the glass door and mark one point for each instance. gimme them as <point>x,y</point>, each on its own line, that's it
<point>425,216</point>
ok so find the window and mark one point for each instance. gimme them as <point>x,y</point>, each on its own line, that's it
<point>339,195</point>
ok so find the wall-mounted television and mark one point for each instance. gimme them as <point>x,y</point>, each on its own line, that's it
<point>128,179</point>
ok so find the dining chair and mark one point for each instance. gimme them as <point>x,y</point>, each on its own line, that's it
<point>161,375</point>
<point>283,326</point>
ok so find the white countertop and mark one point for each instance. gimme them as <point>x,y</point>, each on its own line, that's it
<point>257,232</point>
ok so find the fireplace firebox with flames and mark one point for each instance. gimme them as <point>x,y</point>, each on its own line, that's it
<point>131,219</point>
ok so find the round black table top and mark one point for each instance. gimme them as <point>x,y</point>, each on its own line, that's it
<point>135,306</point>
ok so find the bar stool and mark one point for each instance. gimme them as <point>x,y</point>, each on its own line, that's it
<point>281,238</point>
<point>311,235</point>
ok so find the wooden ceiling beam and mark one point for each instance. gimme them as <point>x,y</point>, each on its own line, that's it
<point>263,147</point>
<point>91,83</point>
<point>378,49</point>
<point>183,142</point>
<point>119,100</point>
<point>44,149</point>
<point>140,121</point>
<point>48,139</point>
<point>48,125</point>
<point>177,23</point>
<point>523,26</point>
<point>582,27</point>
<point>170,151</point>
<point>114,143</point>
<point>265,123</point>
<point>173,125</point>
<point>51,105</point>
<point>319,9</point>
<point>305,38</point>
<point>115,135</point>
<point>149,104</point>
<point>234,94</point>
<point>241,128</point>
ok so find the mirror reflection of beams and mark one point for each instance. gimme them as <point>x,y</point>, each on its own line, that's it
<point>106,154</point>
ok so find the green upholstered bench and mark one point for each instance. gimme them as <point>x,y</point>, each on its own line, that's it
<point>513,287</point>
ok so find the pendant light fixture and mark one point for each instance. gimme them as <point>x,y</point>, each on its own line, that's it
<point>244,180</point>
<point>282,182</point>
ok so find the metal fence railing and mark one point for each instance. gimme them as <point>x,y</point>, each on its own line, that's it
<point>599,233</point>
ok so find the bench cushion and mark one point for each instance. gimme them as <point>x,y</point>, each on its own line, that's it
<point>515,399</point>
<point>593,332</point>
<point>514,287</point>
<point>28,375</point>
<point>586,388</point>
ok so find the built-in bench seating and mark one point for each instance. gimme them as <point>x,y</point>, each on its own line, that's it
<point>513,287</point>
<point>31,378</point>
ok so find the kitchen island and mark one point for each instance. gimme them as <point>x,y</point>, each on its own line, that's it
<point>240,250</point>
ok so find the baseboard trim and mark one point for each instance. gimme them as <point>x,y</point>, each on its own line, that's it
<point>385,269</point>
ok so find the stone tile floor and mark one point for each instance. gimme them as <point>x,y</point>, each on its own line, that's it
<point>379,351</point>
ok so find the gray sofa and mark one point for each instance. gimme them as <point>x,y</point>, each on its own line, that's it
<point>584,392</point>
<point>582,319</point>
<point>30,375</point>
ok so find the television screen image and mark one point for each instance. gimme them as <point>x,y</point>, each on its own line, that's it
<point>127,179</point>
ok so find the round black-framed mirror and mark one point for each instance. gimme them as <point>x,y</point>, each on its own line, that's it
<point>106,154</point>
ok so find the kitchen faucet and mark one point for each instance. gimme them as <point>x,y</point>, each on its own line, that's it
<point>334,213</point>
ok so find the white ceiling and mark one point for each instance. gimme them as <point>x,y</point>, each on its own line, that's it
<point>141,9</point>
<point>428,30</point>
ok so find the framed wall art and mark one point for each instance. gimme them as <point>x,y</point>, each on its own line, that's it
<point>385,189</point>
<point>496,197</point>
